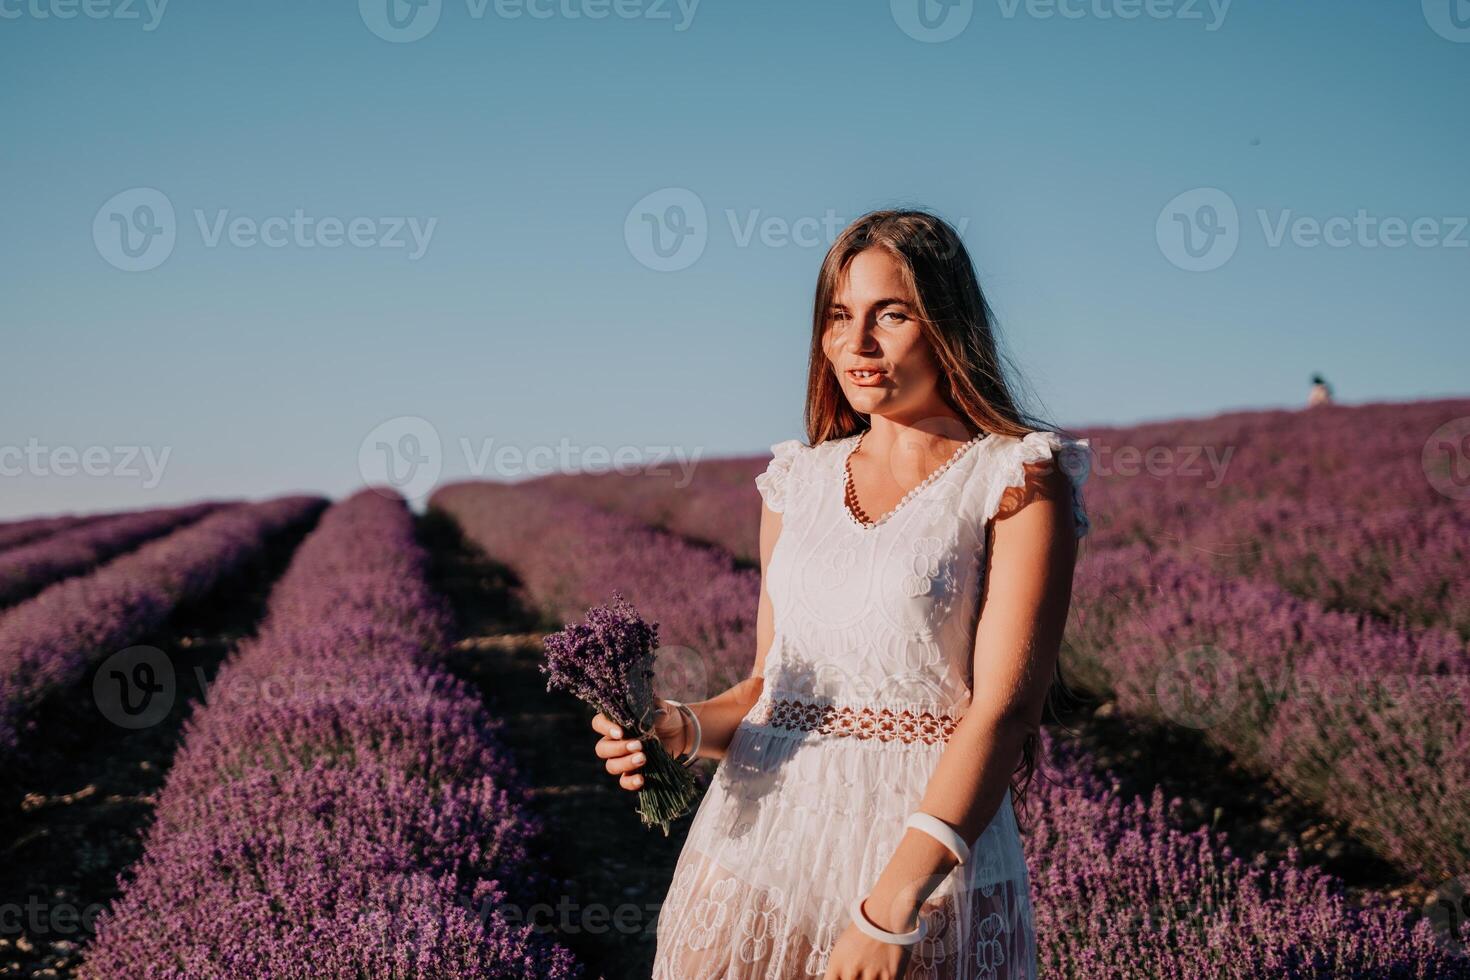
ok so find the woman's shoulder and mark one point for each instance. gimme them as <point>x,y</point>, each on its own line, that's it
<point>780,473</point>
<point>788,451</point>
<point>1011,464</point>
<point>794,462</point>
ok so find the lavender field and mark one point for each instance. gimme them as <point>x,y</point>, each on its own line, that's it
<point>362,774</point>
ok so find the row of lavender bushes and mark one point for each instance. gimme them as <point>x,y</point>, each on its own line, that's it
<point>571,554</point>
<point>1404,565</point>
<point>341,807</point>
<point>15,533</point>
<point>1120,887</point>
<point>1369,721</point>
<point>1335,504</point>
<point>1357,507</point>
<point>48,641</point>
<point>712,505</point>
<point>26,570</point>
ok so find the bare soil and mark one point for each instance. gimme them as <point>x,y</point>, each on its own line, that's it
<point>616,872</point>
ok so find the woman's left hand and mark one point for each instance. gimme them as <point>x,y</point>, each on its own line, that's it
<point>858,956</point>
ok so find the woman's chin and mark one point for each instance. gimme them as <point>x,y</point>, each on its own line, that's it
<point>868,400</point>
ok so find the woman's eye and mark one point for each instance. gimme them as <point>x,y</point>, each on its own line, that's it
<point>897,316</point>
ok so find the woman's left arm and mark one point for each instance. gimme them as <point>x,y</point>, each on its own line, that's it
<point>1024,602</point>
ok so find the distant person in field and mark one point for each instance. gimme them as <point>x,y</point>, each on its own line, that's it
<point>916,572</point>
<point>1321,393</point>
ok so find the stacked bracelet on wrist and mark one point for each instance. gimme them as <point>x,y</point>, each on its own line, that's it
<point>698,731</point>
<point>909,938</point>
<point>947,836</point>
<point>941,832</point>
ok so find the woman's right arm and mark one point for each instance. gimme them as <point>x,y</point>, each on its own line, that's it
<point>718,716</point>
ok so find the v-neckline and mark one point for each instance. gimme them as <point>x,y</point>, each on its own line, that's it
<point>913,491</point>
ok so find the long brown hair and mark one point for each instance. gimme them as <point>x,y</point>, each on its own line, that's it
<point>957,321</point>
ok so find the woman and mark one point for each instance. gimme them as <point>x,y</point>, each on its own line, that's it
<point>916,572</point>
<point>1321,392</point>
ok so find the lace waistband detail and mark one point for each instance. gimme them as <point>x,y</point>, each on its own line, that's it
<point>858,721</point>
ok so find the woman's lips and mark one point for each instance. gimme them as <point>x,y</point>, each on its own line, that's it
<point>873,379</point>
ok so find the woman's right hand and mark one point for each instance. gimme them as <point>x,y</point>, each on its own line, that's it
<point>625,757</point>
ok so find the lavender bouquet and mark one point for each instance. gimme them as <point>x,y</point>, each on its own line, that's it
<point>608,663</point>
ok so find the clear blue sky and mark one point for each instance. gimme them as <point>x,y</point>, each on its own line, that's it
<point>529,142</point>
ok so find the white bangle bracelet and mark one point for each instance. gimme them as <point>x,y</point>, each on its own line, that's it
<point>698,730</point>
<point>883,935</point>
<point>941,831</point>
<point>698,735</point>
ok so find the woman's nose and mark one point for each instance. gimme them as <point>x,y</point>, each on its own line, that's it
<point>860,337</point>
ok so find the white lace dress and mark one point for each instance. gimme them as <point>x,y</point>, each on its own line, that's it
<point>869,669</point>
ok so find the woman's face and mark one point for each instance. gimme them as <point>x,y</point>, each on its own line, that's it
<point>873,325</point>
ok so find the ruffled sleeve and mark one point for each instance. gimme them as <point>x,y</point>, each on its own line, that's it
<point>772,483</point>
<point>1073,456</point>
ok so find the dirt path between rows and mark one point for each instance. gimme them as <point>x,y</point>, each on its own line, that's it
<point>617,873</point>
